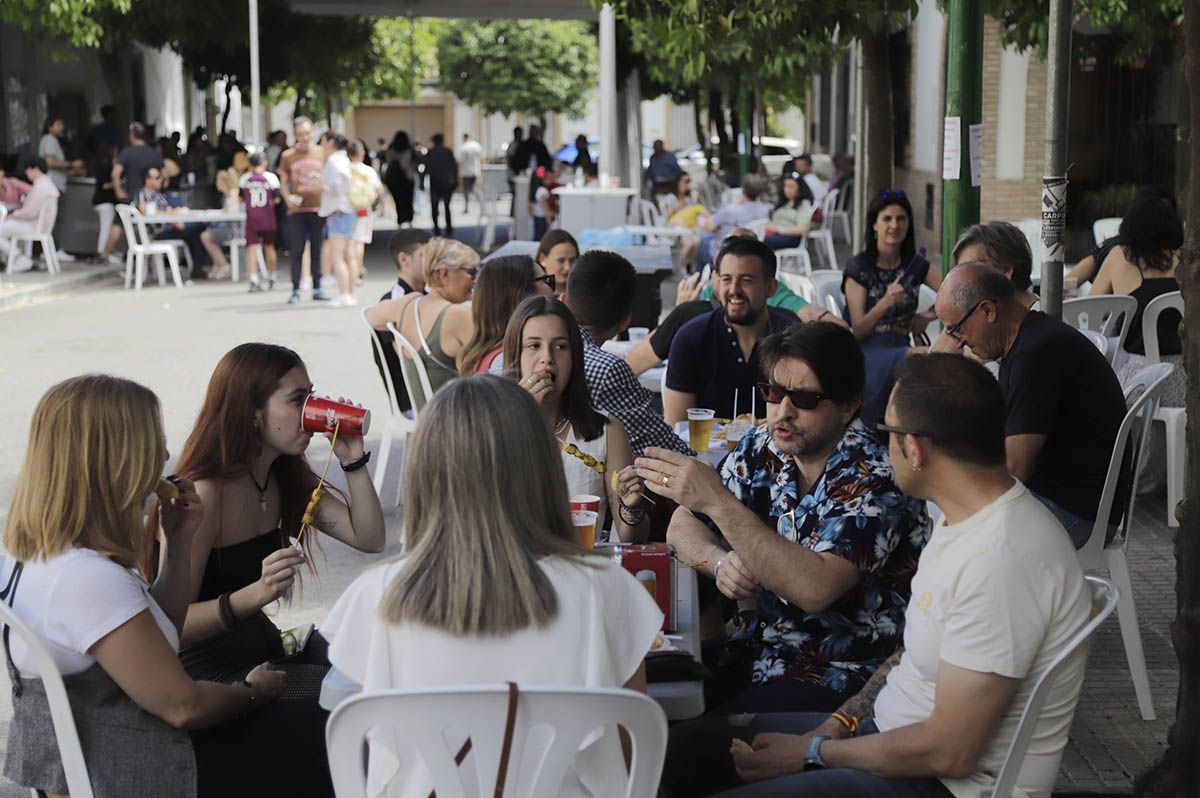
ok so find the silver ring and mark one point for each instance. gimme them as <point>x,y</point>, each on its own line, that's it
<point>666,482</point>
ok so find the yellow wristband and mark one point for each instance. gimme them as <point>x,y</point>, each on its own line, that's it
<point>851,722</point>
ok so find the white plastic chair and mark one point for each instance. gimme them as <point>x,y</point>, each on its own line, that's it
<point>1032,228</point>
<point>69,749</point>
<point>397,421</point>
<point>420,719</point>
<point>1142,394</point>
<point>410,357</point>
<point>823,236</point>
<point>926,297</point>
<point>236,247</point>
<point>827,291</point>
<point>798,284</point>
<point>139,246</point>
<point>1108,314</point>
<point>1103,229</point>
<point>41,235</point>
<point>795,260</point>
<point>1104,598</point>
<point>3,216</point>
<point>839,213</point>
<point>1098,339</point>
<point>1173,418</point>
<point>758,227</point>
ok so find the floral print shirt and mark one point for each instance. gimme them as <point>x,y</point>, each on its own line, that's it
<point>855,511</point>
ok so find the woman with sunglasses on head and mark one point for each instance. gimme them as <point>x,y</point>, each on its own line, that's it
<point>882,287</point>
<point>556,253</point>
<point>502,284</point>
<point>246,455</point>
<point>438,324</point>
<point>543,350</point>
<point>793,215</point>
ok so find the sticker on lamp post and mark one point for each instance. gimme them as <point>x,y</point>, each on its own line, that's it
<point>1054,217</point>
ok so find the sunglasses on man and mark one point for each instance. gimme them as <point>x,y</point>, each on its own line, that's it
<point>887,430</point>
<point>800,397</point>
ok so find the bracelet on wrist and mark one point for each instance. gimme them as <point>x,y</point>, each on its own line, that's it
<point>225,615</point>
<point>357,464</point>
<point>631,515</point>
<point>717,567</point>
<point>851,722</point>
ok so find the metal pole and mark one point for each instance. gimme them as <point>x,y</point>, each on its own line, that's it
<point>964,111</point>
<point>860,152</point>
<point>608,95</point>
<point>1054,179</point>
<point>255,110</point>
<point>412,71</point>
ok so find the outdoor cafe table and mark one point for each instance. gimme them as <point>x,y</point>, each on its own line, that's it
<point>653,264</point>
<point>185,215</point>
<point>679,700</point>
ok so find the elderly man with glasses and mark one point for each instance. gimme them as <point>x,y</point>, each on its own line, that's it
<point>805,521</point>
<point>1063,403</point>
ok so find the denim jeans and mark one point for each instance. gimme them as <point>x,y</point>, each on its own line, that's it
<point>306,226</point>
<point>817,783</point>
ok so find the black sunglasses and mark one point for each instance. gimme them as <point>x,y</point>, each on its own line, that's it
<point>801,398</point>
<point>548,279</point>
<point>953,329</point>
<point>886,430</point>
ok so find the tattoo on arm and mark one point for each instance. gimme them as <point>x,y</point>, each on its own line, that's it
<point>863,704</point>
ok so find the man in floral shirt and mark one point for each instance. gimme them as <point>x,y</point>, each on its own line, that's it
<point>805,517</point>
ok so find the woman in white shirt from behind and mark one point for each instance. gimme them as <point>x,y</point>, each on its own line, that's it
<point>485,485</point>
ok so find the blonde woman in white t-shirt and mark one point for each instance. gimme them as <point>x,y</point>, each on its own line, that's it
<point>75,538</point>
<point>492,585</point>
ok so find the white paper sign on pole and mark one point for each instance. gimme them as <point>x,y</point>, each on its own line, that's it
<point>976,145</point>
<point>952,148</point>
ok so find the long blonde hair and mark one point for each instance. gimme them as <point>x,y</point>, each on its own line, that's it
<point>486,499</point>
<point>96,451</point>
<point>445,253</point>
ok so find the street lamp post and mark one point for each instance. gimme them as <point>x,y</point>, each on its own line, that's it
<point>255,110</point>
<point>1054,179</point>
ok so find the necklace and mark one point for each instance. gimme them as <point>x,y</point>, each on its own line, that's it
<point>562,427</point>
<point>262,490</point>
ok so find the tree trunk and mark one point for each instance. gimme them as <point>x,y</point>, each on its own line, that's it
<point>701,139</point>
<point>716,117</point>
<point>228,104</point>
<point>877,86</point>
<point>116,78</point>
<point>1178,772</point>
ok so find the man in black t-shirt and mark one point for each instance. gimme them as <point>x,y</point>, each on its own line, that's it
<point>405,248</point>
<point>1063,403</point>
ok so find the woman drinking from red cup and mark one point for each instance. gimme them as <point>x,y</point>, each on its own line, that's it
<point>246,456</point>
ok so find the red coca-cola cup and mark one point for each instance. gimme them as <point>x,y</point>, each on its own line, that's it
<point>322,414</point>
<point>585,501</point>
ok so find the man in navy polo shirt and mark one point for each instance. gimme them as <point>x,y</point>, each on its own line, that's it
<point>716,353</point>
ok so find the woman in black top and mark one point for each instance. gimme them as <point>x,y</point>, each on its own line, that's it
<point>882,287</point>
<point>398,177</point>
<point>104,200</point>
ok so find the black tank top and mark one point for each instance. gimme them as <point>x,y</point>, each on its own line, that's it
<point>1168,322</point>
<point>233,567</point>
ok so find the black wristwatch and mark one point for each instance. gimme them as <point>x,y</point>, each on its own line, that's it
<point>357,464</point>
<point>812,754</point>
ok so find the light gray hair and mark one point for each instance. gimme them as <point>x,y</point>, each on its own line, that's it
<point>754,186</point>
<point>1007,248</point>
<point>486,499</point>
<point>301,120</point>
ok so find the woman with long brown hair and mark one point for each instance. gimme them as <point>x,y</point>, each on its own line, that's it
<point>246,456</point>
<point>500,287</point>
<point>75,538</point>
<point>543,350</point>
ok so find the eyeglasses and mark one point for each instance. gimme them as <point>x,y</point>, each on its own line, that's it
<point>886,430</point>
<point>548,279</point>
<point>892,193</point>
<point>953,329</point>
<point>800,397</point>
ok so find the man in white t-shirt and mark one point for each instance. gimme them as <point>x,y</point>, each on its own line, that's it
<point>51,150</point>
<point>470,166</point>
<point>819,188</point>
<point>998,594</point>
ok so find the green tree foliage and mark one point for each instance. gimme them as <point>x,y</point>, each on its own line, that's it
<point>73,22</point>
<point>396,44</point>
<point>529,67</point>
<point>1139,25</point>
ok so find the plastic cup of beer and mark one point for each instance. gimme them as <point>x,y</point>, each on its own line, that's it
<point>647,579</point>
<point>637,334</point>
<point>585,527</point>
<point>734,432</point>
<point>700,422</point>
<point>585,501</point>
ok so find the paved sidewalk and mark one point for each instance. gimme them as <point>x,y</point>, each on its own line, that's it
<point>171,339</point>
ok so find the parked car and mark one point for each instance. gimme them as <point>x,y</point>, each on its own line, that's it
<point>776,152</point>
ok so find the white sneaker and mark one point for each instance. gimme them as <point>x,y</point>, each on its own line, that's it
<point>329,282</point>
<point>21,263</point>
<point>305,283</point>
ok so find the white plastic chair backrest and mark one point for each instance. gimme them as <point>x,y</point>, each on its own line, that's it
<point>1104,601</point>
<point>759,227</point>
<point>798,284</point>
<point>1172,301</point>
<point>705,274</point>
<point>408,354</point>
<point>1108,314</point>
<point>47,216</point>
<point>829,202</point>
<point>1098,339</point>
<point>1142,394</point>
<point>730,196</point>
<point>1103,229</point>
<point>3,213</point>
<point>827,290</point>
<point>650,214</point>
<point>70,751</point>
<point>135,231</point>
<point>420,719</point>
<point>377,346</point>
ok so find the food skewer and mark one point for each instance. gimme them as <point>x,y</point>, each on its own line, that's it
<point>319,490</point>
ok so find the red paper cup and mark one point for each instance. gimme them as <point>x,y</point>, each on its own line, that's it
<point>322,414</point>
<point>585,501</point>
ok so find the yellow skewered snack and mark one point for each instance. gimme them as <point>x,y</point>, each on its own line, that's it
<point>310,511</point>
